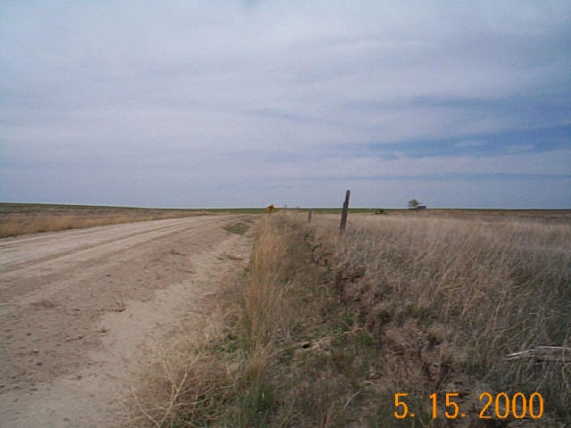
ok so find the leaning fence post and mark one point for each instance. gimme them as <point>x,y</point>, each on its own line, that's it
<point>309,214</point>
<point>344,212</point>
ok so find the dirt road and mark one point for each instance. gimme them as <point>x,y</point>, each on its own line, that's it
<point>79,308</point>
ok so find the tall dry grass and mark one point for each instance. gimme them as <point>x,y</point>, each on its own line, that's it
<point>449,299</point>
<point>264,314</point>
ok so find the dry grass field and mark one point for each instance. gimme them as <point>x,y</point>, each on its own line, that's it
<point>324,331</point>
<point>481,215</point>
<point>449,299</point>
<point>20,219</point>
<point>543,216</point>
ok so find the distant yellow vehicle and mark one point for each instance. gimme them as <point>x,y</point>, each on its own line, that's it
<point>270,208</point>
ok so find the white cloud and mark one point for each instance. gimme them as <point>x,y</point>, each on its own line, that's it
<point>470,143</point>
<point>156,86</point>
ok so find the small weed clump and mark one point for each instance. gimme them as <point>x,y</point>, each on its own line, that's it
<point>237,228</point>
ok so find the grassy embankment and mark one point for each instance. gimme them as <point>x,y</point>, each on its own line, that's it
<point>324,331</point>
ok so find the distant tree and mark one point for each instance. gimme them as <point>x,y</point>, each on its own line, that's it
<point>413,203</point>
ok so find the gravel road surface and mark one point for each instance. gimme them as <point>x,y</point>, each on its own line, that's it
<point>78,309</point>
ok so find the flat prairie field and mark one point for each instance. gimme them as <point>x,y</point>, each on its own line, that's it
<point>23,218</point>
<point>562,215</point>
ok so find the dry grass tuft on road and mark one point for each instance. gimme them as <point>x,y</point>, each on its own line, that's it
<point>238,228</point>
<point>323,331</point>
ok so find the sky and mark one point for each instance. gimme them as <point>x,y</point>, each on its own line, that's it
<point>231,103</point>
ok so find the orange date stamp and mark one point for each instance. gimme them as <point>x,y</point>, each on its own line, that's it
<point>492,406</point>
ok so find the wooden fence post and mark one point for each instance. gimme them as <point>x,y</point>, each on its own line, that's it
<point>344,212</point>
<point>309,214</point>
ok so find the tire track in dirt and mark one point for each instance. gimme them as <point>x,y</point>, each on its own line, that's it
<point>25,252</point>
